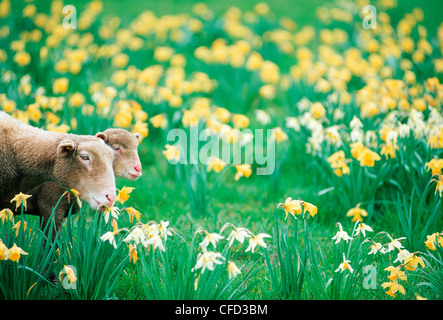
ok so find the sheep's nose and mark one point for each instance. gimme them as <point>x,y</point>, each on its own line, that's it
<point>111,199</point>
<point>138,168</point>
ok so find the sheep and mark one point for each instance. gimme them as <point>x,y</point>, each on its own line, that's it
<point>31,156</point>
<point>126,165</point>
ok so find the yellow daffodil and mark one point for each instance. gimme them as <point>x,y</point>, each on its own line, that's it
<point>133,213</point>
<point>132,254</point>
<point>240,121</point>
<point>76,195</point>
<point>291,206</point>
<point>18,225</point>
<point>4,251</point>
<point>439,184</point>
<point>159,121</point>
<point>243,170</point>
<point>70,274</point>
<point>435,165</point>
<point>172,153</point>
<point>6,215</point>
<point>15,253</point>
<point>279,135</point>
<point>412,262</point>
<point>216,164</point>
<point>394,287</point>
<point>123,194</point>
<point>312,209</point>
<point>433,240</point>
<point>357,213</point>
<point>20,199</point>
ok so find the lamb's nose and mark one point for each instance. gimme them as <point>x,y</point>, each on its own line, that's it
<point>111,199</point>
<point>138,168</point>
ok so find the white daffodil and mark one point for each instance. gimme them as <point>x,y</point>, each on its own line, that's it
<point>109,236</point>
<point>233,270</point>
<point>238,234</point>
<point>212,238</point>
<point>257,240</point>
<point>137,236</point>
<point>344,265</point>
<point>395,243</point>
<point>341,235</point>
<point>362,227</point>
<point>208,260</point>
<point>403,255</point>
<point>376,247</point>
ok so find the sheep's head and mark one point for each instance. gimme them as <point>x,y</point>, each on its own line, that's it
<point>124,144</point>
<point>86,165</point>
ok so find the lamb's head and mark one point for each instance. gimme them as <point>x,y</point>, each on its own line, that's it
<point>124,144</point>
<point>86,165</point>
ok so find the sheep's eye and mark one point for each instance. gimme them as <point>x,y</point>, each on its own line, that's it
<point>116,148</point>
<point>84,157</point>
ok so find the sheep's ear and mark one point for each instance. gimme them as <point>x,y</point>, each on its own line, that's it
<point>66,147</point>
<point>103,136</point>
<point>137,135</point>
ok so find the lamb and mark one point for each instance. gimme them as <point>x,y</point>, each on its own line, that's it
<point>126,165</point>
<point>31,156</point>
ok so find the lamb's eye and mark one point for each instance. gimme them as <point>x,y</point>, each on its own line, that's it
<point>116,148</point>
<point>84,157</point>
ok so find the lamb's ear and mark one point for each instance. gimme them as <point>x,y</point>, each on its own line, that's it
<point>65,148</point>
<point>137,135</point>
<point>102,135</point>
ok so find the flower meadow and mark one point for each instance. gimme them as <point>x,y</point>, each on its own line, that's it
<point>351,208</point>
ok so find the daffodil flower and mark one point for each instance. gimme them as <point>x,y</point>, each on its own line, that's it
<point>212,238</point>
<point>403,254</point>
<point>433,239</point>
<point>412,262</point>
<point>137,236</point>
<point>111,212</point>
<point>208,260</point>
<point>4,251</point>
<point>243,170</point>
<point>394,287</point>
<point>132,253</point>
<point>257,240</point>
<point>15,253</point>
<point>6,215</point>
<point>344,265</point>
<point>109,236</point>
<point>123,194</point>
<point>156,242</point>
<point>70,274</point>
<point>291,206</point>
<point>76,195</point>
<point>238,234</point>
<point>362,227</point>
<point>341,235</point>
<point>132,213</point>
<point>395,243</point>
<point>376,247</point>
<point>163,228</point>
<point>233,270</point>
<point>20,199</point>
<point>18,225</point>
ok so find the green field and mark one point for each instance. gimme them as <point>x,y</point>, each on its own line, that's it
<point>375,76</point>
